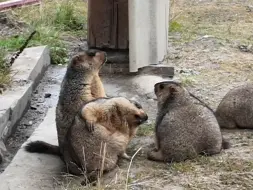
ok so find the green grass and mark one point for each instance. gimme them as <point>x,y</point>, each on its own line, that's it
<point>12,43</point>
<point>146,130</point>
<point>4,70</point>
<point>52,20</point>
<point>187,80</point>
<point>175,26</point>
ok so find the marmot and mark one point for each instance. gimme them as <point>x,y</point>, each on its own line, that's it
<point>80,84</point>
<point>183,129</point>
<point>114,122</point>
<point>236,108</point>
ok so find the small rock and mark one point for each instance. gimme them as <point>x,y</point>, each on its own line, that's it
<point>29,123</point>
<point>2,150</point>
<point>249,8</point>
<point>47,95</point>
<point>41,100</point>
<point>33,108</point>
<point>1,157</point>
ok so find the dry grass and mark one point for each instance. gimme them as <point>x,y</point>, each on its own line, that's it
<point>223,19</point>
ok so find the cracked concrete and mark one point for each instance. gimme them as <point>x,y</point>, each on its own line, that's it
<point>27,70</point>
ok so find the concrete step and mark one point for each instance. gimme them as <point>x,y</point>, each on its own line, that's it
<point>30,171</point>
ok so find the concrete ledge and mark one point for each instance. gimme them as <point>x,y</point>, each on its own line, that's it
<point>113,68</point>
<point>30,171</point>
<point>123,68</point>
<point>27,70</point>
<point>159,70</point>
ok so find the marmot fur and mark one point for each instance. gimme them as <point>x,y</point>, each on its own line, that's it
<point>236,108</point>
<point>114,122</point>
<point>183,129</point>
<point>80,84</point>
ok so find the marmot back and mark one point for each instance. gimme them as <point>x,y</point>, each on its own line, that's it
<point>80,79</point>
<point>183,129</point>
<point>236,108</point>
<point>115,121</point>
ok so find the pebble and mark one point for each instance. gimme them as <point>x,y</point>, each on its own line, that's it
<point>47,95</point>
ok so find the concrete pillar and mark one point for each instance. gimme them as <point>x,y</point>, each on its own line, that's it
<point>148,32</point>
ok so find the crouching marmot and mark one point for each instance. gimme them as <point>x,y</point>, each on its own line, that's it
<point>236,108</point>
<point>183,129</point>
<point>113,123</point>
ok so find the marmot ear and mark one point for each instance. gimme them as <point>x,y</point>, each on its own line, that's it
<point>100,56</point>
<point>158,87</point>
<point>76,59</point>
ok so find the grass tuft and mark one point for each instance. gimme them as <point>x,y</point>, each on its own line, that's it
<point>52,20</point>
<point>175,26</point>
<point>146,130</point>
<point>4,70</point>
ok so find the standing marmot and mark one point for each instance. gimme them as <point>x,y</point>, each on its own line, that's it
<point>81,84</point>
<point>114,122</point>
<point>183,129</point>
<point>236,108</point>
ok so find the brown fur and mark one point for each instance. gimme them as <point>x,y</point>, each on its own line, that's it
<point>97,88</point>
<point>183,129</point>
<point>114,121</point>
<point>81,84</point>
<point>236,108</point>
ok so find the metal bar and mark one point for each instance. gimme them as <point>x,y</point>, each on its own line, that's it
<point>16,3</point>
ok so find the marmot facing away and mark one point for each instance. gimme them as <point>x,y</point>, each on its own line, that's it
<point>80,84</point>
<point>236,108</point>
<point>114,122</point>
<point>183,129</point>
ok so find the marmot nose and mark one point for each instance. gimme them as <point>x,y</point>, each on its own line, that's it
<point>144,118</point>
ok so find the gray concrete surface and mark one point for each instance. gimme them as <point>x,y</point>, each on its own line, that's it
<point>27,70</point>
<point>35,171</point>
<point>38,171</point>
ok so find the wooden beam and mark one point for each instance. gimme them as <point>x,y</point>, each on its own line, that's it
<point>108,24</point>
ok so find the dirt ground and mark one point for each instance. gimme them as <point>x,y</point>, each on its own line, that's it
<point>211,50</point>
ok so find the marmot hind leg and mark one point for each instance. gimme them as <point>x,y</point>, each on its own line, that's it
<point>156,155</point>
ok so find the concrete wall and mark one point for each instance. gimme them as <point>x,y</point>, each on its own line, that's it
<point>148,32</point>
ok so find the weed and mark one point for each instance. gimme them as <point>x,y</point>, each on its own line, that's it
<point>182,167</point>
<point>12,43</point>
<point>4,70</point>
<point>66,19</point>
<point>175,26</point>
<point>187,81</point>
<point>145,130</point>
<point>58,49</point>
<point>51,20</point>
